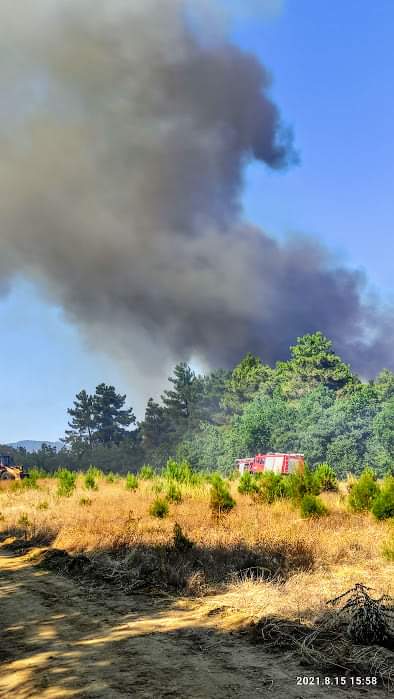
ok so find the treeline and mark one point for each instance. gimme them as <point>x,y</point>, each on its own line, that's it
<point>312,403</point>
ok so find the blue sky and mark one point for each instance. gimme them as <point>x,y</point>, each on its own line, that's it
<point>332,77</point>
<point>331,64</point>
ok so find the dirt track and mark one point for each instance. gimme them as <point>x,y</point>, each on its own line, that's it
<point>58,639</point>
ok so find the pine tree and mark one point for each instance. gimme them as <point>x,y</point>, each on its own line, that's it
<point>110,417</point>
<point>182,401</point>
<point>313,362</point>
<point>213,389</point>
<point>245,380</point>
<point>384,384</point>
<point>156,426</point>
<point>81,432</point>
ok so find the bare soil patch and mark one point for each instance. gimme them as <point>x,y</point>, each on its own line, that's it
<point>63,639</point>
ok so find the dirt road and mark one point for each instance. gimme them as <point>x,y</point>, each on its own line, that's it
<point>58,639</point>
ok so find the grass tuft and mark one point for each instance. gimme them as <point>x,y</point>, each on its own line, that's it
<point>159,508</point>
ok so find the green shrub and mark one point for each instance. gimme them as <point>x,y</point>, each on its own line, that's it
<point>90,478</point>
<point>146,473</point>
<point>110,477</point>
<point>312,506</point>
<point>32,480</point>
<point>159,508</point>
<point>196,479</point>
<point>174,493</point>
<point>95,472</point>
<point>298,484</point>
<point>233,475</point>
<point>177,471</point>
<point>67,481</point>
<point>272,486</point>
<point>363,492</point>
<point>311,485</point>
<point>157,487</point>
<point>248,484</point>
<point>131,481</point>
<point>383,504</point>
<point>325,477</point>
<point>39,472</point>
<point>213,476</point>
<point>221,500</point>
<point>388,484</point>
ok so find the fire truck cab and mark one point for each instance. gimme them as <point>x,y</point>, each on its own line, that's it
<point>277,462</point>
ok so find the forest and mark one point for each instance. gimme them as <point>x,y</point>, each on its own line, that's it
<point>311,403</point>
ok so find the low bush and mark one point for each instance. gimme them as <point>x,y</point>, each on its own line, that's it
<point>298,484</point>
<point>174,493</point>
<point>197,479</point>
<point>32,480</point>
<point>383,504</point>
<point>233,474</point>
<point>67,481</point>
<point>159,508</point>
<point>272,486</point>
<point>178,471</point>
<point>267,486</point>
<point>146,473</point>
<point>38,472</point>
<point>312,506</point>
<point>325,477</point>
<point>221,500</point>
<point>248,484</point>
<point>95,472</point>
<point>363,492</point>
<point>110,477</point>
<point>90,479</point>
<point>131,481</point>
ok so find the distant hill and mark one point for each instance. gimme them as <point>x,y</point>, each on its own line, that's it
<point>33,445</point>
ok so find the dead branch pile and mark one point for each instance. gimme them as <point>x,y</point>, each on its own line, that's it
<point>370,620</point>
<point>356,638</point>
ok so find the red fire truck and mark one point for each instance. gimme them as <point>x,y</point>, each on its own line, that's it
<point>275,462</point>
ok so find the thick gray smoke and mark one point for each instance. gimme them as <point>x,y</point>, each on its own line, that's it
<point>123,140</point>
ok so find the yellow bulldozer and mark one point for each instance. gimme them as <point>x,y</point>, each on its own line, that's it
<point>9,471</point>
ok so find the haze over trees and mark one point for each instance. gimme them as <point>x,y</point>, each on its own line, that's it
<point>311,403</point>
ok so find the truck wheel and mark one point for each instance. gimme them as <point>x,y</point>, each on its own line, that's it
<point>6,476</point>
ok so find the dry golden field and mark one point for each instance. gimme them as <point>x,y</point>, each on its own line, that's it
<point>301,563</point>
<point>87,587</point>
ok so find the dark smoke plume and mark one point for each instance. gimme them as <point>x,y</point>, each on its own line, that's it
<point>123,140</point>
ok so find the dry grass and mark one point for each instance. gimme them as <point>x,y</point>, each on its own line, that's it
<point>261,568</point>
<point>314,559</point>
